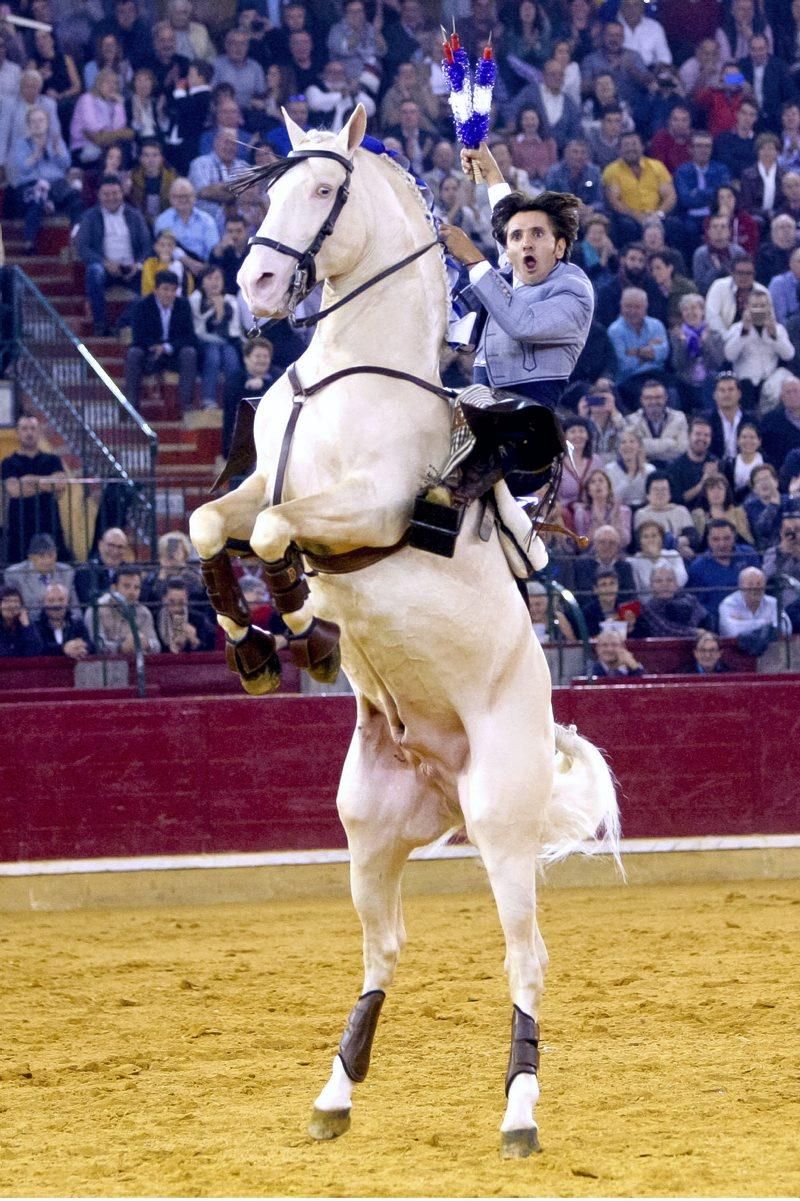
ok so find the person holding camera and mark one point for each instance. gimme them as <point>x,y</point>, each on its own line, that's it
<point>181,629</point>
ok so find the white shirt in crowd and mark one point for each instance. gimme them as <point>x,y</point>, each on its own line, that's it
<point>117,245</point>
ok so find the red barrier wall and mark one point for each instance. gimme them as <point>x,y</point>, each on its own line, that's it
<point>182,776</point>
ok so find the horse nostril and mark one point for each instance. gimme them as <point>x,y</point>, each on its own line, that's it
<point>265,278</point>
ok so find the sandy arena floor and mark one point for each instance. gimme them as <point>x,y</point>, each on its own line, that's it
<point>177,1052</point>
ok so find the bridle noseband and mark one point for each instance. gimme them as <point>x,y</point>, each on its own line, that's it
<point>305,273</point>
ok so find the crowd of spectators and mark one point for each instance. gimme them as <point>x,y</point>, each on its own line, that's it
<point>677,124</point>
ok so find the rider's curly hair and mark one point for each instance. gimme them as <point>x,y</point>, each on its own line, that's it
<point>560,208</point>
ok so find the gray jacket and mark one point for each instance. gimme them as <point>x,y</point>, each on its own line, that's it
<point>535,331</point>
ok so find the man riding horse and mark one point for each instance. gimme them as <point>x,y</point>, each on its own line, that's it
<point>537,318</point>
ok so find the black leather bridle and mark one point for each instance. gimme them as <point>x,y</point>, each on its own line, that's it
<point>305,274</point>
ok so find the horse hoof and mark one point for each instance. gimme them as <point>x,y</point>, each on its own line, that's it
<point>327,670</point>
<point>519,1144</point>
<point>327,1124</point>
<point>267,681</point>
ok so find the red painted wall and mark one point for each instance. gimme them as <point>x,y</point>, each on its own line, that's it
<point>181,776</point>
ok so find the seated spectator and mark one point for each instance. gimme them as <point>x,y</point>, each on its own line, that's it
<point>696,183</point>
<point>789,477</point>
<point>601,509</point>
<point>635,187</point>
<point>698,352</point>
<point>561,115</point>
<point>755,347</point>
<point>218,332</point>
<point>166,257</point>
<point>770,77</point>
<point>526,42</point>
<point>130,30</point>
<point>790,206</point>
<point>640,342</point>
<point>39,165</point>
<point>163,339</point>
<point>664,431</point>
<point>716,504</point>
<point>762,184</point>
<point>595,253</point>
<point>725,416</point>
<point>235,67</point>
<point>357,41</point>
<point>98,120</point>
<point>651,554</point>
<point>715,258</point>
<point>611,58</point>
<point>780,429</point>
<point>789,157</point>
<point>744,229</point>
<point>715,573</point>
<point>60,632</point>
<point>151,180</point>
<point>629,471</point>
<point>707,655</point>
<point>141,107</point>
<point>252,380</point>
<point>417,142</point>
<point>108,55</point>
<point>664,267</point>
<point>333,97</point>
<point>720,105</point>
<point>167,65</point>
<point>643,34</point>
<point>180,628</point>
<point>729,296</point>
<point>62,82</point>
<point>703,68</point>
<point>212,174</point>
<point>632,273</point>
<point>40,569</point>
<point>530,151</point>
<point>18,638</point>
<point>672,143</point>
<point>690,469</point>
<point>549,622</point>
<point>598,406</point>
<point>748,455</point>
<point>410,83</point>
<point>231,251</point>
<point>96,575</point>
<point>604,137</point>
<point>673,519</point>
<point>764,507</point>
<point>14,111</point>
<point>192,38</point>
<point>195,230</point>
<point>736,145</point>
<point>32,482</point>
<point>580,464</point>
<point>782,562</point>
<point>613,657</point>
<point>113,241</point>
<point>451,207</point>
<point>605,556</point>
<point>670,613</point>
<point>603,606</point>
<point>174,555</point>
<point>774,254</point>
<point>112,162</point>
<point>749,610</point>
<point>111,620</point>
<point>784,290</point>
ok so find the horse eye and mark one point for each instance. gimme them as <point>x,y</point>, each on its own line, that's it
<point>323,190</point>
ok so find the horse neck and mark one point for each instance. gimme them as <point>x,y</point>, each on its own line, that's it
<point>399,322</point>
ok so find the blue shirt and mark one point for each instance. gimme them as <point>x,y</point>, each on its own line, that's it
<point>199,235</point>
<point>626,340</point>
<point>697,188</point>
<point>720,579</point>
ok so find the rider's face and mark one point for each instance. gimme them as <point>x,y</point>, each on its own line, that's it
<point>532,248</point>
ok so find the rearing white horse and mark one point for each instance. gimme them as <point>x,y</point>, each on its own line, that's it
<point>453,692</point>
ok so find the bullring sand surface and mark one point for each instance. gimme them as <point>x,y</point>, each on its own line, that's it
<point>176,1052</point>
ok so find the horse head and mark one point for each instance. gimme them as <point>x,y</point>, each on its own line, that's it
<point>303,200</point>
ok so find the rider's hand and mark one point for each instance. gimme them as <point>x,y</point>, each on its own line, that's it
<point>484,160</point>
<point>459,245</point>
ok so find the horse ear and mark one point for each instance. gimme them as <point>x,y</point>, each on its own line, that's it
<point>295,132</point>
<point>352,134</point>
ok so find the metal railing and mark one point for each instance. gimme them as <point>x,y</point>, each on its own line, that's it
<point>64,381</point>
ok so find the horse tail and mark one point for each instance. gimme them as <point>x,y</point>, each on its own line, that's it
<point>583,814</point>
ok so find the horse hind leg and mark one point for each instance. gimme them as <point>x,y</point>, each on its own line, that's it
<point>250,651</point>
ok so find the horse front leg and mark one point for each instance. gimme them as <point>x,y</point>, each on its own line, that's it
<point>250,651</point>
<point>387,807</point>
<point>348,515</point>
